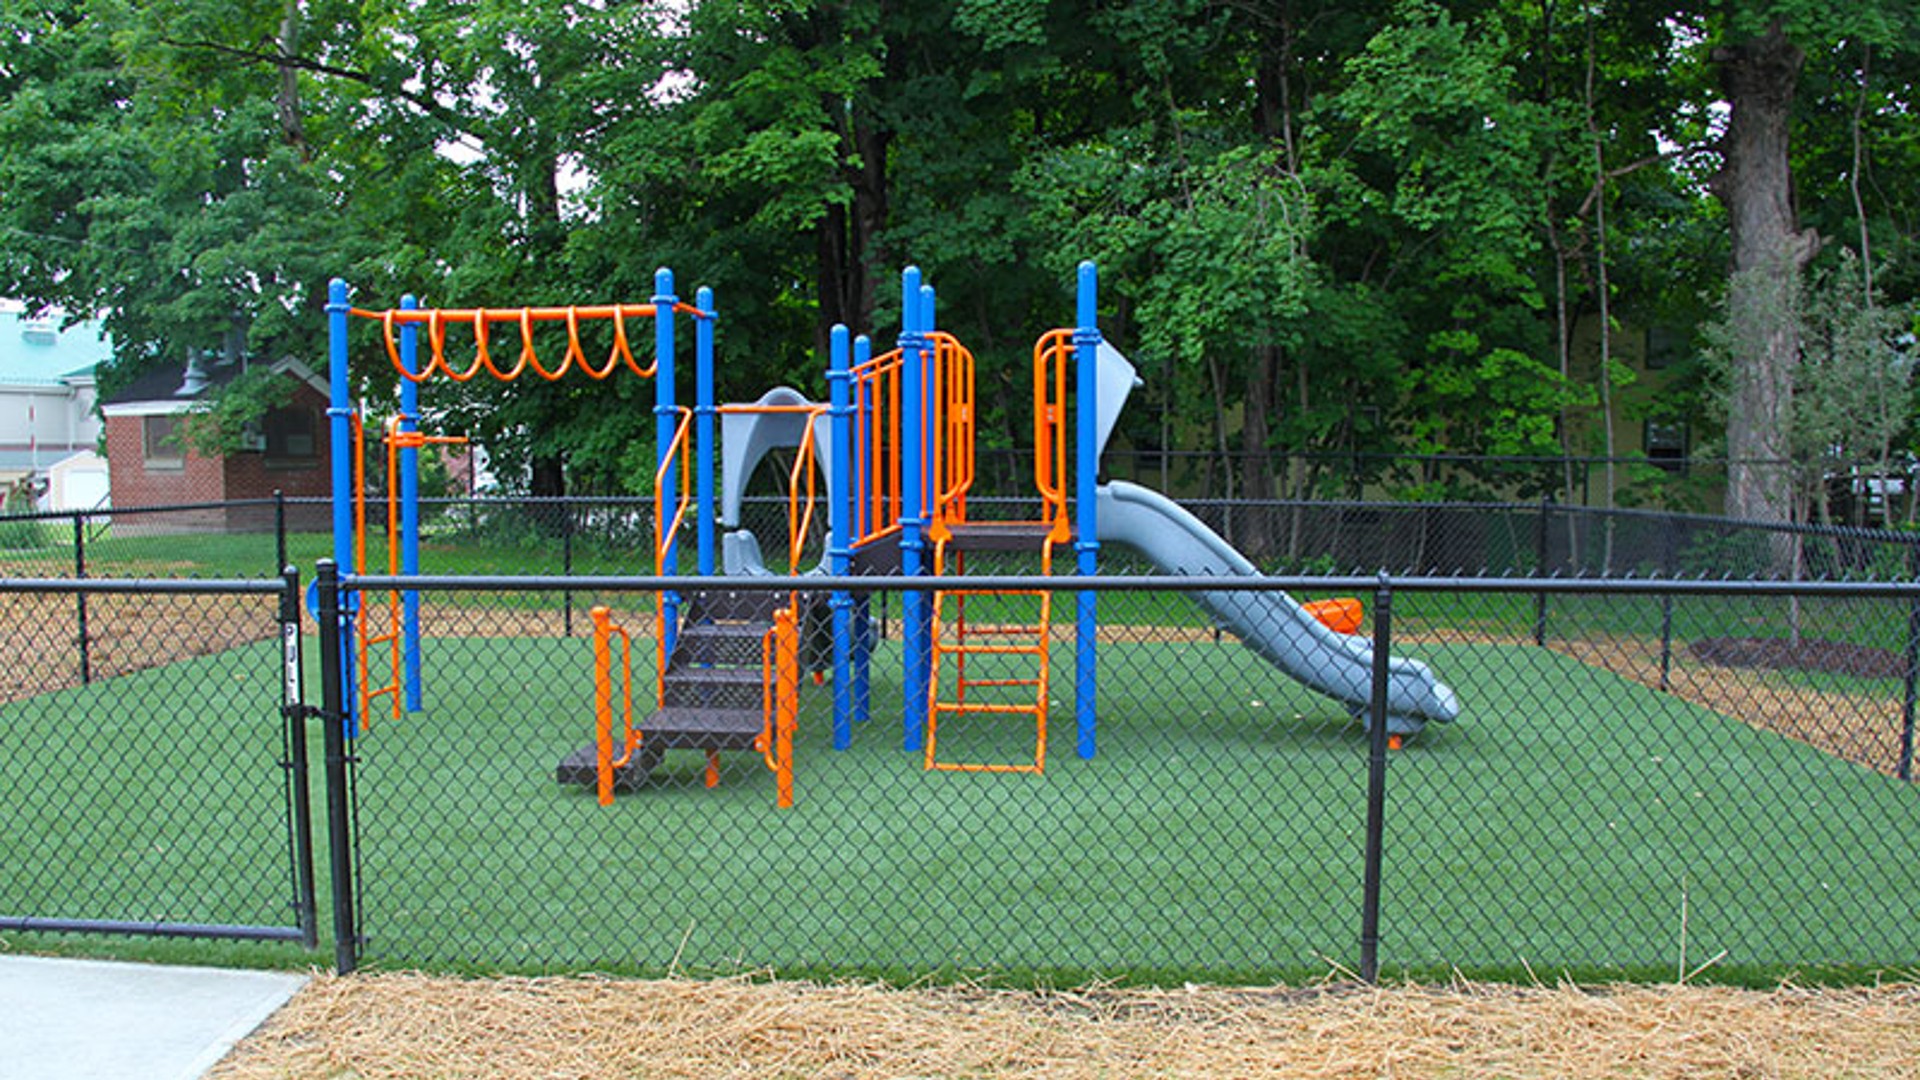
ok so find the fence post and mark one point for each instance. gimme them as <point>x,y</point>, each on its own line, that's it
<point>1540,570</point>
<point>1376,782</point>
<point>293,709</point>
<point>333,717</point>
<point>1912,689</point>
<point>80,598</point>
<point>1666,606</point>
<point>566,564</point>
<point>279,530</point>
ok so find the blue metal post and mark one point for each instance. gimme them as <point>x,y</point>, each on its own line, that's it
<point>703,414</point>
<point>340,456</point>
<point>665,421</point>
<point>410,508</point>
<point>1086,543</point>
<point>913,605</point>
<point>862,626</point>
<point>840,533</point>
<point>930,425</point>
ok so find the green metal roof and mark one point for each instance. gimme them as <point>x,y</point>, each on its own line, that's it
<point>39,352</point>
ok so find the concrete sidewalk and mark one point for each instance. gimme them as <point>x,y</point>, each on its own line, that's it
<point>71,1019</point>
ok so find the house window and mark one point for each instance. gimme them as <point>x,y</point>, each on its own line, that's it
<point>160,442</point>
<point>290,436</point>
<point>1666,443</point>
<point>1666,347</point>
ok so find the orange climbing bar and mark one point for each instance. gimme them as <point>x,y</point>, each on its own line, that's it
<point>396,441</point>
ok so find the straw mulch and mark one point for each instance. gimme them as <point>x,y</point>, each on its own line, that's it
<point>409,1025</point>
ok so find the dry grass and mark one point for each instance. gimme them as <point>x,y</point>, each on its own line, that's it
<point>409,1025</point>
<point>1857,727</point>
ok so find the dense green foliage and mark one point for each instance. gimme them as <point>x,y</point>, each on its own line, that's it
<point>1334,232</point>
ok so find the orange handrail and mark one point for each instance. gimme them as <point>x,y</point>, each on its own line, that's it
<point>799,521</point>
<point>1050,361</point>
<point>876,439</point>
<point>779,700</point>
<point>952,434</point>
<point>604,629</point>
<point>666,531</point>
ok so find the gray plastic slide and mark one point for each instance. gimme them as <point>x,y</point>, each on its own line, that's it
<point>1270,623</point>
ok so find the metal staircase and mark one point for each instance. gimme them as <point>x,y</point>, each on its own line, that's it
<point>730,683</point>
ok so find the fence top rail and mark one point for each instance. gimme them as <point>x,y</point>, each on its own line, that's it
<point>107,512</point>
<point>1573,586</point>
<point>144,586</point>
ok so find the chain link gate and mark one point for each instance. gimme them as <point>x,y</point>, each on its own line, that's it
<point>154,781</point>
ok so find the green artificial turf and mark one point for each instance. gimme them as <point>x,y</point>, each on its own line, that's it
<point>1571,821</point>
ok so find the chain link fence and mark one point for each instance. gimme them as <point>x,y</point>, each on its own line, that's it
<point>1645,778</point>
<point>156,784</point>
<point>1610,800</point>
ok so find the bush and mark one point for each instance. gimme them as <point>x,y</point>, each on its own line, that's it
<point>18,534</point>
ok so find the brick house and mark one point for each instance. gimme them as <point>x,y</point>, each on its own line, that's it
<point>285,451</point>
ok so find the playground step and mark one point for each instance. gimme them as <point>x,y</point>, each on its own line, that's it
<point>991,630</point>
<point>881,555</point>
<point>997,535</point>
<point>740,644</point>
<point>731,605</point>
<point>664,730</point>
<point>582,766</point>
<point>703,729</point>
<point>715,688</point>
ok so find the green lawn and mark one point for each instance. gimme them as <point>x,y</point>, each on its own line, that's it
<point>1570,821</point>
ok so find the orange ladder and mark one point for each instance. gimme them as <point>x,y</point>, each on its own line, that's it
<point>396,441</point>
<point>995,645</point>
<point>998,645</point>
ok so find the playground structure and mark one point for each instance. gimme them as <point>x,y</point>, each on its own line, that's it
<point>895,443</point>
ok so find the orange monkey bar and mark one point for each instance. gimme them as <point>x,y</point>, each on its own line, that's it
<point>478,320</point>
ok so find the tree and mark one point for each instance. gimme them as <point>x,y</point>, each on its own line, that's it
<point>1759,58</point>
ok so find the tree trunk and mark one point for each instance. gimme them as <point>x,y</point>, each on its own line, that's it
<point>1769,252</point>
<point>286,101</point>
<point>1256,459</point>
<point>549,477</point>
